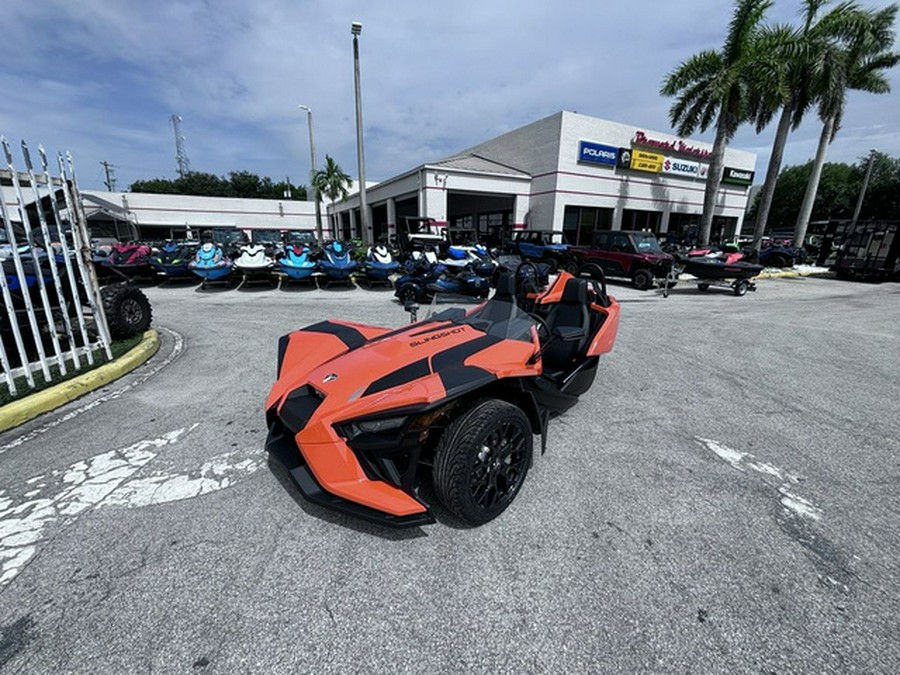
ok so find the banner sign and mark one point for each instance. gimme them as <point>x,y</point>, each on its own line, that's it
<point>681,167</point>
<point>676,145</point>
<point>641,160</point>
<point>737,176</point>
<point>595,153</point>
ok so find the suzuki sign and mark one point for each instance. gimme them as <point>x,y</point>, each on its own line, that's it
<point>681,167</point>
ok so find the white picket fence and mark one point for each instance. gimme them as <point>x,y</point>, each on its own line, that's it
<point>52,308</point>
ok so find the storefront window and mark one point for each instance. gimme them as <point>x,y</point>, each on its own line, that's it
<point>580,223</point>
<point>632,219</point>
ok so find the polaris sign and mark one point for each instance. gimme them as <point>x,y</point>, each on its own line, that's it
<point>595,153</point>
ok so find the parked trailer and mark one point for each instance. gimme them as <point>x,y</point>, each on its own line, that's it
<point>870,250</point>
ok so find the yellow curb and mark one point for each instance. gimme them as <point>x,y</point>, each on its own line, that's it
<point>18,412</point>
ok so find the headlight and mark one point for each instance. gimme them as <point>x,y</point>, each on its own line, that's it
<point>377,426</point>
<point>351,430</point>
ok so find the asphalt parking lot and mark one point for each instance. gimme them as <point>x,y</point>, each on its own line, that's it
<point>724,499</point>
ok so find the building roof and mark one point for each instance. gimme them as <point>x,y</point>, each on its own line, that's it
<point>472,162</point>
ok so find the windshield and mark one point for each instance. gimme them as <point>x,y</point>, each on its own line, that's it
<point>498,317</point>
<point>646,243</point>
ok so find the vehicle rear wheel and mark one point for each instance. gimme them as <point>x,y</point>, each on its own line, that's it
<point>552,265</point>
<point>702,287</point>
<point>571,267</point>
<point>740,288</point>
<point>482,459</point>
<point>642,280</point>
<point>127,309</point>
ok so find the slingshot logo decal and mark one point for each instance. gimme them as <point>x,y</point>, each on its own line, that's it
<point>436,336</point>
<point>331,377</point>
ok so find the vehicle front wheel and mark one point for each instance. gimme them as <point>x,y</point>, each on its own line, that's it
<point>482,459</point>
<point>642,280</point>
<point>408,293</point>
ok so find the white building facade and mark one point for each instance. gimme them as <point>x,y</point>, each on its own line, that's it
<point>567,172</point>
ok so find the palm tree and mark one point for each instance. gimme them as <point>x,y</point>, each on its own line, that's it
<point>857,62</point>
<point>718,86</point>
<point>331,182</point>
<point>799,53</point>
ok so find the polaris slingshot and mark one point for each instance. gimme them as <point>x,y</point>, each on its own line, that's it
<point>358,412</point>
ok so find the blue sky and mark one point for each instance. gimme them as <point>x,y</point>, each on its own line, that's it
<point>101,79</point>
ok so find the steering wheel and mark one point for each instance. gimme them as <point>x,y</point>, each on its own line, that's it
<point>526,276</point>
<point>543,328</point>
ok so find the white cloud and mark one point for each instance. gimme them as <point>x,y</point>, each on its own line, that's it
<point>102,79</point>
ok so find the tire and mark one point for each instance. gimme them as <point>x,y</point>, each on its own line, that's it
<point>552,265</point>
<point>408,293</point>
<point>642,279</point>
<point>590,270</point>
<point>128,311</point>
<point>740,288</point>
<point>482,459</point>
<point>703,287</point>
<point>571,267</point>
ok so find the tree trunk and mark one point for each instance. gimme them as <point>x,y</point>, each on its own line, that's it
<point>812,187</point>
<point>768,191</point>
<point>714,179</point>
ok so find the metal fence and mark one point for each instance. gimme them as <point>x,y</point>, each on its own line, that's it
<point>52,314</point>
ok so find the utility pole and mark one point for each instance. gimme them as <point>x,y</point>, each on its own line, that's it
<point>865,186</point>
<point>356,29</point>
<point>181,158</point>
<point>110,171</point>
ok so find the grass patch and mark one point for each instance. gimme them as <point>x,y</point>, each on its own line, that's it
<point>118,348</point>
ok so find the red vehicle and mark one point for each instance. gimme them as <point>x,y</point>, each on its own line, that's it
<point>624,254</point>
<point>359,413</point>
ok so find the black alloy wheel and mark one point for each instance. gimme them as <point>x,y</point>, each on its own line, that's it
<point>482,459</point>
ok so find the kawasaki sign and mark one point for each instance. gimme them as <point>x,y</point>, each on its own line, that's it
<point>737,176</point>
<point>594,153</point>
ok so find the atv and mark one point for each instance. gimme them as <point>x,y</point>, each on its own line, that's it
<point>359,414</point>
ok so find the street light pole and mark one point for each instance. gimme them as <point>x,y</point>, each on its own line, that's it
<point>356,29</point>
<point>312,174</point>
<point>865,186</point>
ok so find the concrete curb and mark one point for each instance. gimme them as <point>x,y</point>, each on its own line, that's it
<point>793,274</point>
<point>18,412</point>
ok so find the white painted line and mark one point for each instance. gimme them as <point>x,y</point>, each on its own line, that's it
<point>80,486</point>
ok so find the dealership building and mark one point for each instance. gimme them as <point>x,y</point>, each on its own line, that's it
<point>567,172</point>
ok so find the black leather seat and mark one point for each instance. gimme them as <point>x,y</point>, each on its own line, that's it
<point>568,321</point>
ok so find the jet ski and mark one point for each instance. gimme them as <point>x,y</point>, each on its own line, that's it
<point>336,262</point>
<point>210,263</point>
<point>719,268</point>
<point>253,262</point>
<point>172,260</point>
<point>379,264</point>
<point>297,262</point>
<point>130,259</point>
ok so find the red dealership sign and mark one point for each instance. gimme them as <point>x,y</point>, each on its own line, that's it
<point>677,145</point>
